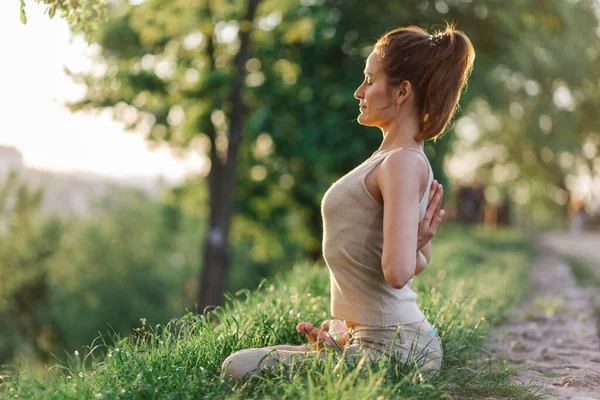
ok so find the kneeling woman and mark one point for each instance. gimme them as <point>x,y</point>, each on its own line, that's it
<point>378,219</point>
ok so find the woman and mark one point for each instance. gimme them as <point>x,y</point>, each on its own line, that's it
<point>411,90</point>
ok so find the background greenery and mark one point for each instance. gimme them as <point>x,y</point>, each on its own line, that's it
<point>528,128</point>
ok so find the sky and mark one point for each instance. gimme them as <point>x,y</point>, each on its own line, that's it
<point>32,88</point>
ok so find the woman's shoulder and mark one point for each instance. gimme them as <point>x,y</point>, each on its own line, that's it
<point>405,158</point>
<point>404,165</point>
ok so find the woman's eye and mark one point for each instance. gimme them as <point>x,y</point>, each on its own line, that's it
<point>369,81</point>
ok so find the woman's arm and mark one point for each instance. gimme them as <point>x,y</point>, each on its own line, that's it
<point>399,187</point>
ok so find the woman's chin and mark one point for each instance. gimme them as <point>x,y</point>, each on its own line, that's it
<point>363,120</point>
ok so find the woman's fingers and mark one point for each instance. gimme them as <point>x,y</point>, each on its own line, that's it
<point>307,329</point>
<point>436,222</point>
<point>435,200</point>
<point>439,198</point>
<point>318,335</point>
<point>304,327</point>
<point>431,204</point>
<point>436,218</point>
<point>313,334</point>
<point>333,332</point>
<point>310,331</point>
<point>432,189</point>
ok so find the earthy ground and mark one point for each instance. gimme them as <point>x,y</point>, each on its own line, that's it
<point>553,334</point>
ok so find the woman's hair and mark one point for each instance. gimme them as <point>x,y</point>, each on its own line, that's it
<point>437,66</point>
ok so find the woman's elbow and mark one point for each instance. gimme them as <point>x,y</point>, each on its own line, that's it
<point>397,279</point>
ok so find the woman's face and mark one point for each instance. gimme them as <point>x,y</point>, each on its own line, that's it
<point>377,107</point>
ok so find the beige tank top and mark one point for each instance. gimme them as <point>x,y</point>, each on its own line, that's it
<point>352,248</point>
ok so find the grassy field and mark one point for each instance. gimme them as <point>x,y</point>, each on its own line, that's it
<point>474,277</point>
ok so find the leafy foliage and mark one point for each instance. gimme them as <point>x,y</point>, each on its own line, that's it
<point>82,16</point>
<point>307,60</point>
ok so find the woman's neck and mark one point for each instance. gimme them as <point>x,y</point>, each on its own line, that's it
<point>401,134</point>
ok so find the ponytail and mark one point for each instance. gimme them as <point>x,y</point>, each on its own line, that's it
<point>437,66</point>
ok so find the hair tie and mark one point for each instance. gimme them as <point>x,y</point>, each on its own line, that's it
<point>435,40</point>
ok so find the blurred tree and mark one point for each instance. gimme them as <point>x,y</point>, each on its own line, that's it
<point>534,139</point>
<point>131,259</point>
<point>28,244</point>
<point>149,30</point>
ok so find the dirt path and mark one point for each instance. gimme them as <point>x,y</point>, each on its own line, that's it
<point>553,335</point>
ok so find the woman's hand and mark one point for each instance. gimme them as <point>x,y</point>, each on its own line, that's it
<point>333,332</point>
<point>433,215</point>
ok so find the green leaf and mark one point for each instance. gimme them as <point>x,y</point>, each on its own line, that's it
<point>51,12</point>
<point>23,17</point>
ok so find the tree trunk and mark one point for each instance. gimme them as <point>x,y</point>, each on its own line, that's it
<point>42,336</point>
<point>222,179</point>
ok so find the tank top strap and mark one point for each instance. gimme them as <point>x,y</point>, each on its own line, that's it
<point>420,152</point>
<point>430,173</point>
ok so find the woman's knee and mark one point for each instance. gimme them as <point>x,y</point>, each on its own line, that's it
<point>425,347</point>
<point>239,364</point>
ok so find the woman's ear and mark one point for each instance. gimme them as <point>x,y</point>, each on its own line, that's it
<point>403,91</point>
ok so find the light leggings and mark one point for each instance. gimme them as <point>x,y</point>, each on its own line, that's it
<point>415,343</point>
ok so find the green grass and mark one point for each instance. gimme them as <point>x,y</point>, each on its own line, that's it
<point>473,279</point>
<point>582,271</point>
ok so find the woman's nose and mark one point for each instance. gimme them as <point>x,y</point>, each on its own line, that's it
<point>357,94</point>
